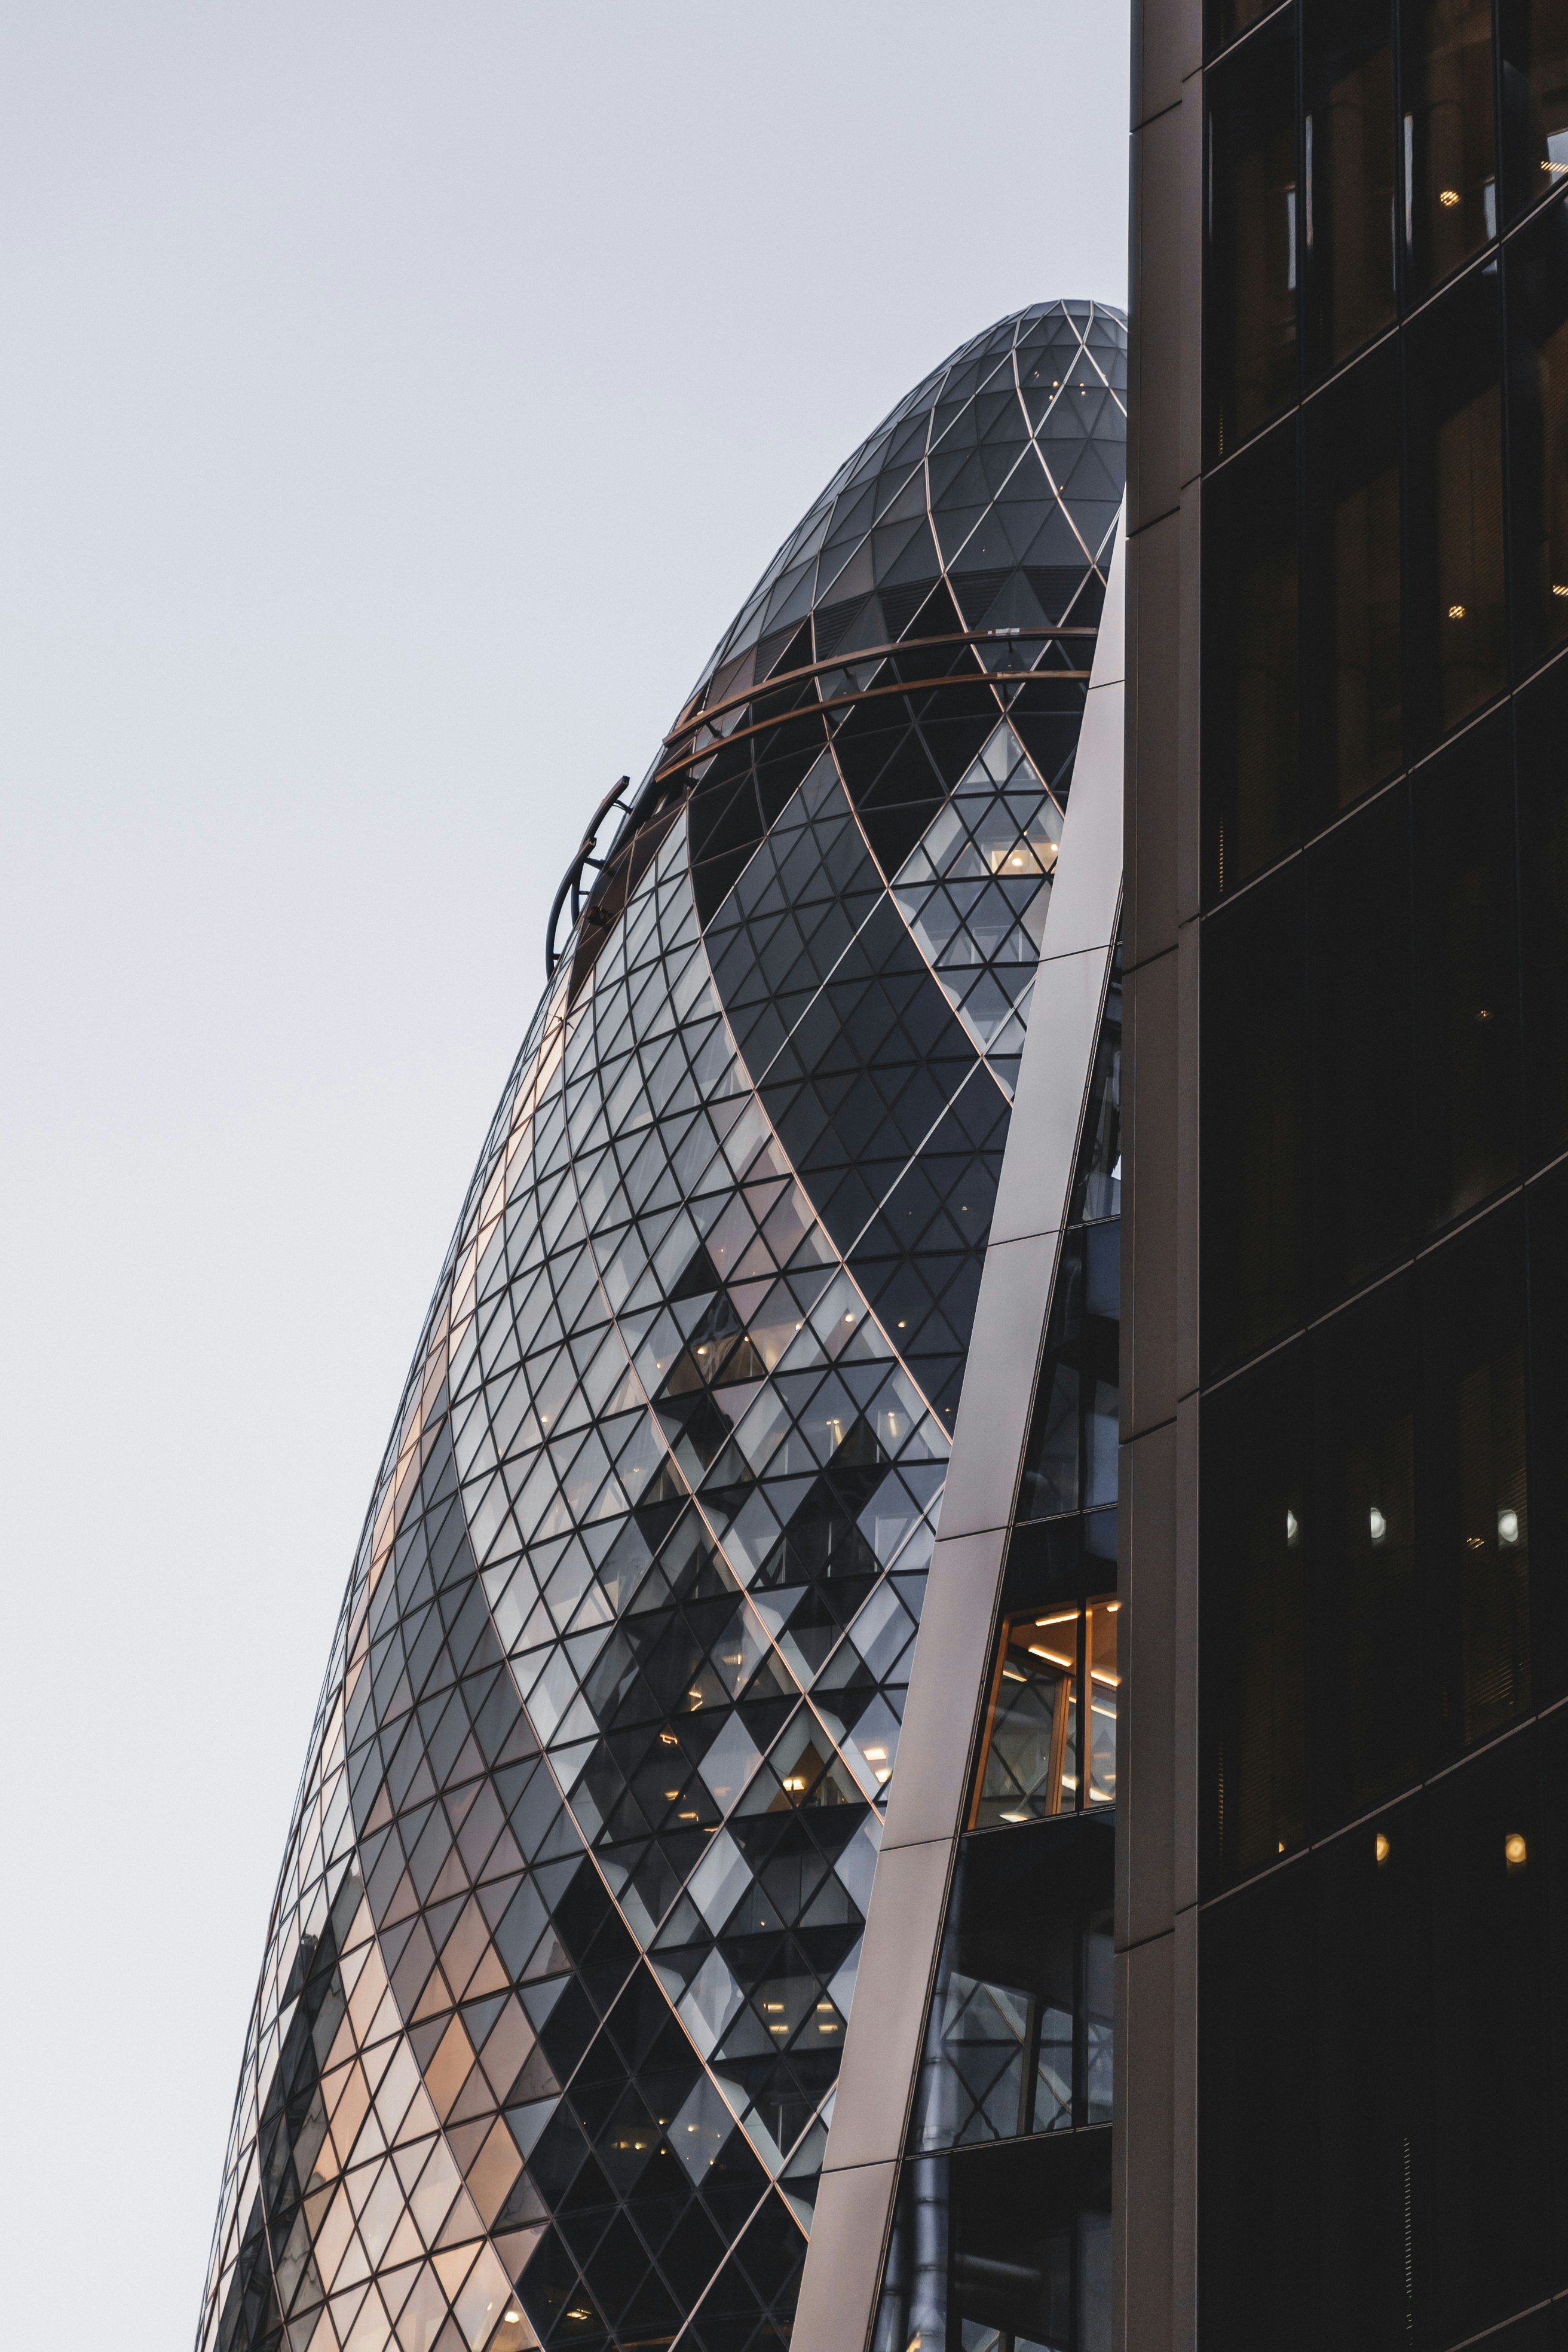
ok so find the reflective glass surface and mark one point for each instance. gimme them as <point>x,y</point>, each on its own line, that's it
<point>1020,2038</point>
<point>1348,176</point>
<point>1378,1237</point>
<point>1254,237</point>
<point>565,1944</point>
<point>1001,2236</point>
<point>1449,157</point>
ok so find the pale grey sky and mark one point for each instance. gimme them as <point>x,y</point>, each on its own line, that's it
<point>395,402</point>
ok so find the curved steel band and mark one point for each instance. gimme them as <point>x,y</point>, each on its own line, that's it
<point>663,769</point>
<point>572,881</point>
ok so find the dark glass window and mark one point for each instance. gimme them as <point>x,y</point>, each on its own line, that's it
<point>1223,19</point>
<point>1534,36</point>
<point>1002,2249</point>
<point>1071,1461</point>
<point>1358,1027</point>
<point>1373,2040</point>
<point>1467,973</point>
<point>1492,2152</point>
<point>1369,1603</point>
<point>1538,2331</point>
<point>1350,705</point>
<point>1456,612</point>
<point>1448,134</point>
<point>1031,2240</point>
<point>1256,2065</point>
<point>1348,175</point>
<point>1552,1745</point>
<point>1250,303</point>
<point>1253,1587</point>
<point>1474,1504</point>
<point>1253,1046</point>
<point>1538,434</point>
<point>1251,664</point>
<point>1376,2072</point>
<point>1097,1185</point>
<point>1541,717</point>
<point>1548,1213</point>
<point>1384,1499</point>
<point>1051,1562</point>
<point>1019,2038</point>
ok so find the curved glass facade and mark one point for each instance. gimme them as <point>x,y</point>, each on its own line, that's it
<point>1001,2235</point>
<point>546,2037</point>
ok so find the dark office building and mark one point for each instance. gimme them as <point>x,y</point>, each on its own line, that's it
<point>1342,1916</point>
<point>702,1877</point>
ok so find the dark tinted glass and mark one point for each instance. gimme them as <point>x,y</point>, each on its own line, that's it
<point>1256,2080</point>
<point>1031,2240</point>
<point>1373,2072</point>
<point>1251,664</point>
<point>1053,1561</point>
<point>1538,2331</point>
<point>1541,717</point>
<point>1223,19</point>
<point>1449,166</point>
<point>1019,2034</point>
<point>1070,1461</point>
<point>1534,98</point>
<point>1552,1745</point>
<point>1474,1502</point>
<point>1457,614</point>
<point>1252,1121</point>
<point>1548,1528</point>
<point>1358,938</point>
<point>1250,303</point>
<point>1370,1602</point>
<point>1467,973</point>
<point>1253,1586</point>
<point>998,2247</point>
<point>1348,184</point>
<point>1538,434</point>
<point>1492,2155</point>
<point>1097,1182</point>
<point>1351,706</point>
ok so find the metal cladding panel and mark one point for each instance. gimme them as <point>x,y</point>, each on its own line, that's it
<point>566,1940</point>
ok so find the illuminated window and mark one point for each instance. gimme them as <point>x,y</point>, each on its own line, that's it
<point>1036,1761</point>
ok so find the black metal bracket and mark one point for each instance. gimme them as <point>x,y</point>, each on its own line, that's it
<point>584,862</point>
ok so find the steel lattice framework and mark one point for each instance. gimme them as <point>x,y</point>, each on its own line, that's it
<point>565,1939</point>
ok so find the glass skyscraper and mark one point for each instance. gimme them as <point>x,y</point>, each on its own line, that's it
<point>661,1901</point>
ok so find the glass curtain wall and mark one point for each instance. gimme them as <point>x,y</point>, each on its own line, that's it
<point>1383,1867</point>
<point>547,2033</point>
<point>1001,2239</point>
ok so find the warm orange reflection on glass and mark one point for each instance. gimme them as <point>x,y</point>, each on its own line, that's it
<point>1036,1760</point>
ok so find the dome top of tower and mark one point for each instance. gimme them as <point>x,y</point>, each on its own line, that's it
<point>999,476</point>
